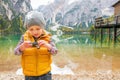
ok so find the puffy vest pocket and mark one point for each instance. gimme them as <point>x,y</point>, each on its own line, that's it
<point>43,58</point>
<point>43,51</point>
<point>30,63</point>
<point>30,67</point>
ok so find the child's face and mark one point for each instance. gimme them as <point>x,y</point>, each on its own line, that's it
<point>35,30</point>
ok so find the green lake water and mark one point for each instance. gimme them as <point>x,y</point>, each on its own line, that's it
<point>78,52</point>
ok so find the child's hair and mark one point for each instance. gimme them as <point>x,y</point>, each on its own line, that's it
<point>34,18</point>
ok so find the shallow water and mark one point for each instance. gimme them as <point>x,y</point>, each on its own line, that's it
<point>78,53</point>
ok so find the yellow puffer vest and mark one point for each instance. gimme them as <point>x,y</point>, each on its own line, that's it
<point>36,62</point>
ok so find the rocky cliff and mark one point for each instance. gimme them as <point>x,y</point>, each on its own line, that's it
<point>70,13</point>
<point>11,14</point>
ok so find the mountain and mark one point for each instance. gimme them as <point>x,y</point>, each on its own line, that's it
<point>12,13</point>
<point>78,12</point>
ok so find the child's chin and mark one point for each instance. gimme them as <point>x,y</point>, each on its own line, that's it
<point>36,36</point>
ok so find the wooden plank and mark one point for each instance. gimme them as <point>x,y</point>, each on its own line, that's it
<point>98,18</point>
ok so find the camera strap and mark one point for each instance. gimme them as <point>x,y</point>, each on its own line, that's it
<point>38,37</point>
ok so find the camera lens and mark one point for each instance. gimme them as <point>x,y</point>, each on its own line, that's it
<point>35,44</point>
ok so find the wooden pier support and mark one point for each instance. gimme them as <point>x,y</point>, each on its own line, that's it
<point>100,24</point>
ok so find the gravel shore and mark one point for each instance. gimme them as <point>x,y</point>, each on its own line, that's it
<point>83,75</point>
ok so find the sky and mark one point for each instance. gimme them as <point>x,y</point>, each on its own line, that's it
<point>35,3</point>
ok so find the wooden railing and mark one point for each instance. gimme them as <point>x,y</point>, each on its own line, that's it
<point>107,22</point>
<point>114,23</point>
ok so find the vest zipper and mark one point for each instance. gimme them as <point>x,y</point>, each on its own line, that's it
<point>36,61</point>
<point>36,55</point>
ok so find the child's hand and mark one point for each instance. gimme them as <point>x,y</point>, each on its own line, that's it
<point>45,44</point>
<point>42,42</point>
<point>24,45</point>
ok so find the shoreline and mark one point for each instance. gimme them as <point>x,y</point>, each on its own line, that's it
<point>83,75</point>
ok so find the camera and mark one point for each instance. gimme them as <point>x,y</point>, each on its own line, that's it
<point>35,44</point>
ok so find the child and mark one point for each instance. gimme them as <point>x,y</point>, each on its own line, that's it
<point>36,48</point>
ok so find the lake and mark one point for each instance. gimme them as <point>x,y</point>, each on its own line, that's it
<point>75,52</point>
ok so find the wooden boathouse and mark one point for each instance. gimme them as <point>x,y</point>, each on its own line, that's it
<point>101,23</point>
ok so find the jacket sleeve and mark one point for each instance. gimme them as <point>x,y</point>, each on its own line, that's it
<point>53,50</point>
<point>17,48</point>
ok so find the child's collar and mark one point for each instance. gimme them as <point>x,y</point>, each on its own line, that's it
<point>36,38</point>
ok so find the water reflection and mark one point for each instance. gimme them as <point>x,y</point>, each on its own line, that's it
<point>82,40</point>
<point>78,53</point>
<point>8,60</point>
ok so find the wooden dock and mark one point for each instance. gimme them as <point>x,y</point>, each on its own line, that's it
<point>101,23</point>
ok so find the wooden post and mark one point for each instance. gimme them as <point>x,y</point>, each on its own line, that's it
<point>109,36</point>
<point>101,36</point>
<point>108,33</point>
<point>95,33</point>
<point>115,31</point>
